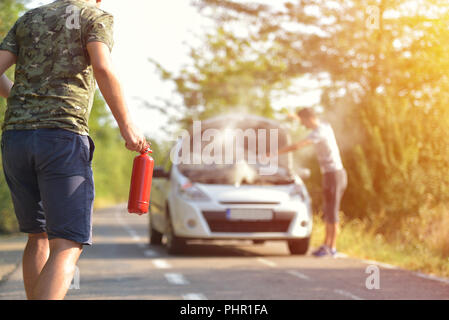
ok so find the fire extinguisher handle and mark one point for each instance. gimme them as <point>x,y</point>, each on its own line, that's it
<point>147,150</point>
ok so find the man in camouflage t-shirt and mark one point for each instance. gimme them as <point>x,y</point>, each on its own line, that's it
<point>59,50</point>
<point>54,81</point>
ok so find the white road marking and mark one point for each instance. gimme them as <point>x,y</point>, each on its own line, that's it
<point>380,264</point>
<point>176,278</point>
<point>133,235</point>
<point>149,253</point>
<point>347,294</point>
<point>431,277</point>
<point>161,264</point>
<point>194,296</point>
<point>299,275</point>
<point>418,274</point>
<point>267,262</point>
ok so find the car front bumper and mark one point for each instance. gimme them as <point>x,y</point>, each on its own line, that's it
<point>208,220</point>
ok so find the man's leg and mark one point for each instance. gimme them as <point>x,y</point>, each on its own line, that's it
<point>34,258</point>
<point>331,203</point>
<point>333,200</point>
<point>57,274</point>
<point>67,192</point>
<point>327,235</point>
<point>329,207</point>
<point>331,235</point>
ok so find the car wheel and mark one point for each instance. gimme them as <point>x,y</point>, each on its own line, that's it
<point>175,245</point>
<point>298,246</point>
<point>154,235</point>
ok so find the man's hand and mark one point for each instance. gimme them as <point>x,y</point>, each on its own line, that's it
<point>292,116</point>
<point>299,145</point>
<point>134,139</point>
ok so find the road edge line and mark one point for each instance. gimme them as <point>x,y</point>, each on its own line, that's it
<point>393,267</point>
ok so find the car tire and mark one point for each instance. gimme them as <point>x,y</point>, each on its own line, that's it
<point>175,244</point>
<point>298,246</point>
<point>154,235</point>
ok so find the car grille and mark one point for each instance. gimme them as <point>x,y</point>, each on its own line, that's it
<point>250,202</point>
<point>218,222</point>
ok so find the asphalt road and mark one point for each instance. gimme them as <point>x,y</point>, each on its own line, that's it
<point>121,265</point>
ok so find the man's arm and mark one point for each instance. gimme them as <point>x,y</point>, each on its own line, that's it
<point>7,59</point>
<point>5,86</point>
<point>111,89</point>
<point>293,147</point>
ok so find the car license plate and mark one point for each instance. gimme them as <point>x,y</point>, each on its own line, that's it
<point>249,214</point>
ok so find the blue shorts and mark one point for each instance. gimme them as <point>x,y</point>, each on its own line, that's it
<point>49,174</point>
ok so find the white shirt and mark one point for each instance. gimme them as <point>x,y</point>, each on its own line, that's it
<point>326,148</point>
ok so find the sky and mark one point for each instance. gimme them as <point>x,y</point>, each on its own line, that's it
<point>161,30</point>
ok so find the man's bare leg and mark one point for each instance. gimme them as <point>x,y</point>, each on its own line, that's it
<point>57,274</point>
<point>34,258</point>
<point>331,235</point>
<point>326,234</point>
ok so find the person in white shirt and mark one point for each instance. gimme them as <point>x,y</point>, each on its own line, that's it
<point>334,178</point>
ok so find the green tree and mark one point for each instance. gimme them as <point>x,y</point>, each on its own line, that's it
<point>227,75</point>
<point>9,13</point>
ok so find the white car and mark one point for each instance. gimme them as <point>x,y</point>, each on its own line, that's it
<point>205,202</point>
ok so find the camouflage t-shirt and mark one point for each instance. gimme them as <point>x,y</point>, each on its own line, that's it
<point>54,82</point>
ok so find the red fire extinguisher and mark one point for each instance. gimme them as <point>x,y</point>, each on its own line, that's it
<point>140,189</point>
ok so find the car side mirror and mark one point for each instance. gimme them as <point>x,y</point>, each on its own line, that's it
<point>159,172</point>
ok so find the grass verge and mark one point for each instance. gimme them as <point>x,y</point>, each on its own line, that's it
<point>106,202</point>
<point>357,239</point>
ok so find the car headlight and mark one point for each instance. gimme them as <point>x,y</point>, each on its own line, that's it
<point>299,191</point>
<point>191,192</point>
